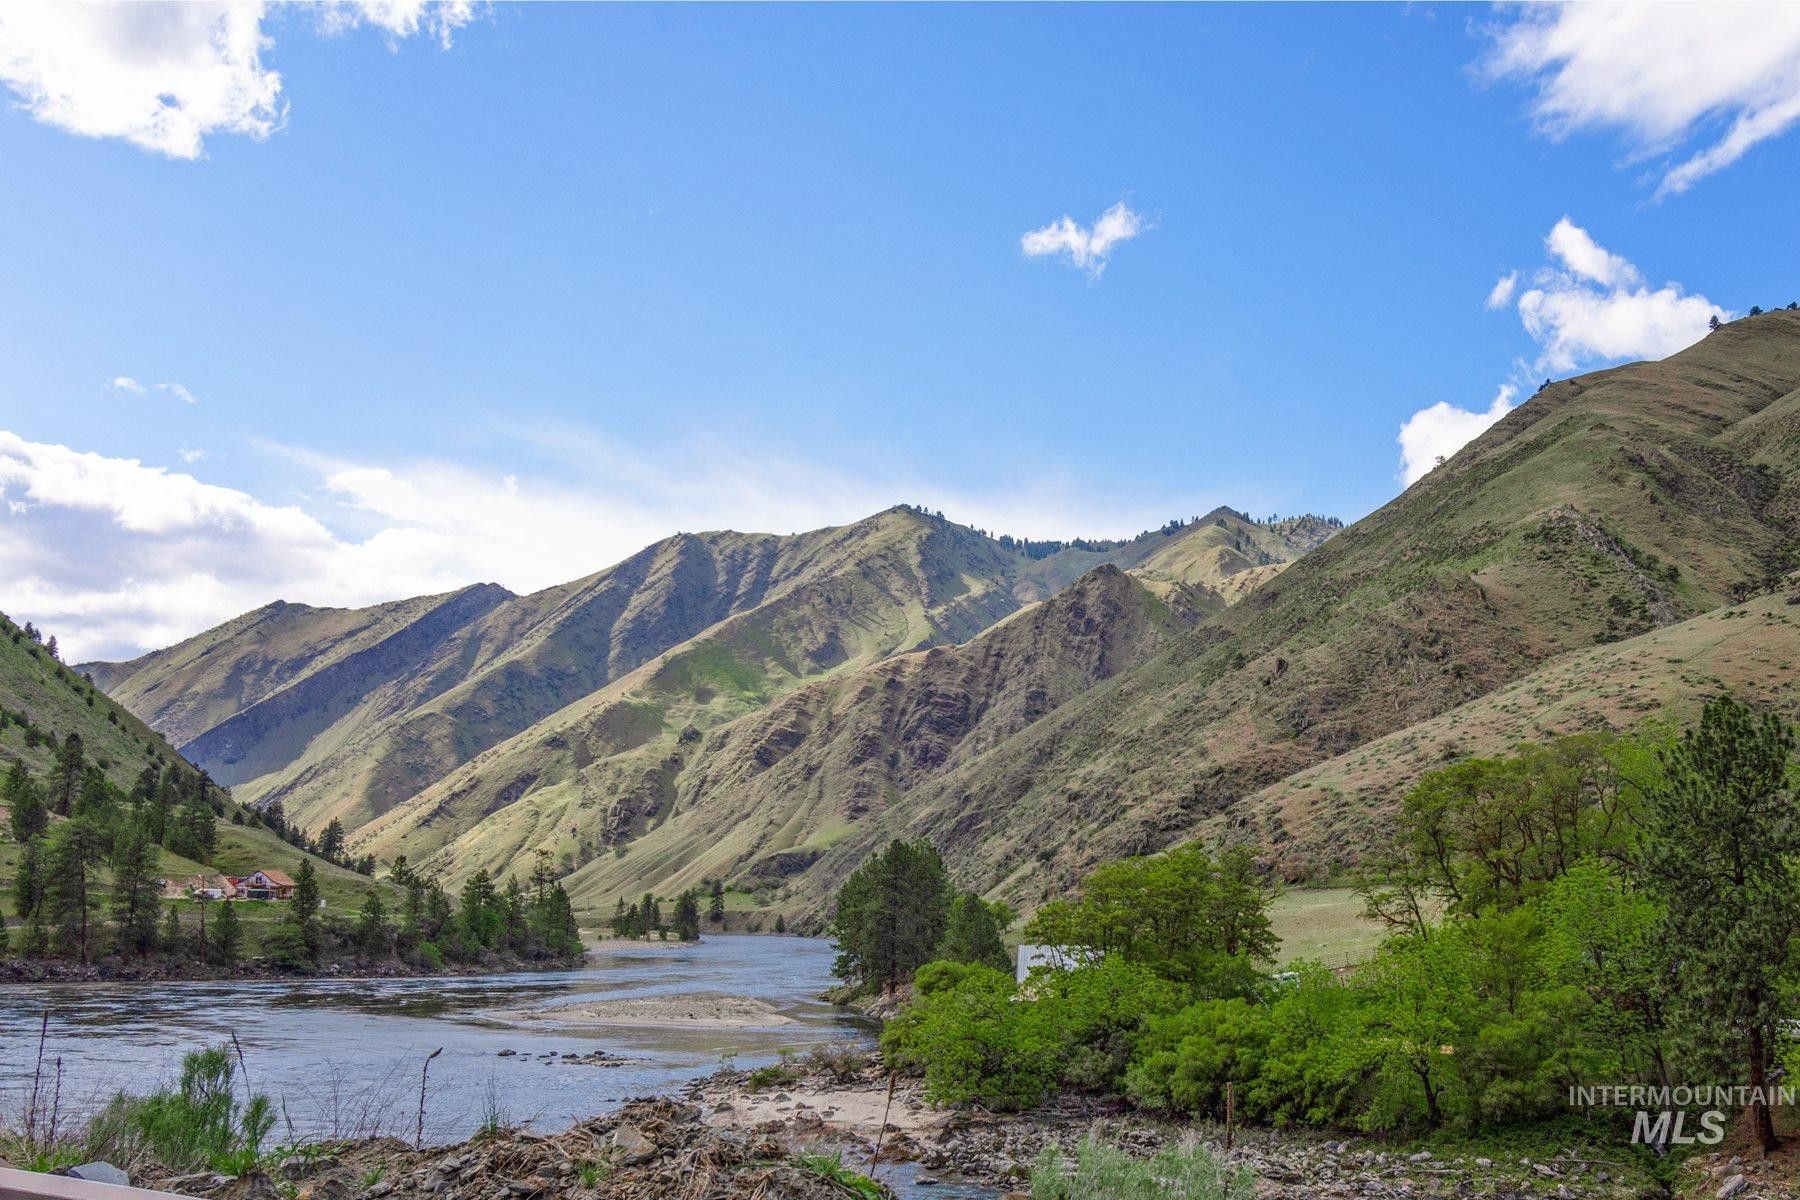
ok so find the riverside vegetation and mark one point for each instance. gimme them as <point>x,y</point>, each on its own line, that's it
<point>1595,910</point>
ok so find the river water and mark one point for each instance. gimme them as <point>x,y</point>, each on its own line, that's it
<point>343,1057</point>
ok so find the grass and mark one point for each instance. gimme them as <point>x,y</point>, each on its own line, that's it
<point>1098,1171</point>
<point>830,1167</point>
<point>1323,925</point>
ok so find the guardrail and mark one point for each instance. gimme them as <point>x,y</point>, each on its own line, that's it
<point>30,1185</point>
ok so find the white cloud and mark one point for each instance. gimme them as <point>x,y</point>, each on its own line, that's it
<point>1581,254</point>
<point>1594,306</point>
<point>1501,294</point>
<point>1662,75</point>
<point>190,456</point>
<point>1438,432</point>
<point>1588,307</point>
<point>177,391</point>
<point>125,383</point>
<point>1087,248</point>
<point>167,76</point>
<point>116,556</point>
<point>399,18</point>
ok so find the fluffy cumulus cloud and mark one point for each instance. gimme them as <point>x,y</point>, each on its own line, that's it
<point>1693,85</point>
<point>1086,247</point>
<point>1433,434</point>
<point>117,556</point>
<point>168,76</point>
<point>1585,307</point>
<point>1591,306</point>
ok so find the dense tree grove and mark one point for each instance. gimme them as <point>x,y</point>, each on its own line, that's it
<point>1596,910</point>
<point>89,884</point>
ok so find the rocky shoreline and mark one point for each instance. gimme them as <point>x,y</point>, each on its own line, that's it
<point>996,1150</point>
<point>734,1136</point>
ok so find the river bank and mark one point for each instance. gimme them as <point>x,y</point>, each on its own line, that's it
<point>162,970</point>
<point>962,1150</point>
<point>725,1138</point>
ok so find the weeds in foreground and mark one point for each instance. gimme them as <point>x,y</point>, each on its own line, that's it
<point>830,1167</point>
<point>1099,1171</point>
<point>372,1176</point>
<point>589,1172</point>
<point>197,1123</point>
<point>494,1120</point>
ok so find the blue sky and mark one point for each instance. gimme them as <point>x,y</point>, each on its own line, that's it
<point>509,291</point>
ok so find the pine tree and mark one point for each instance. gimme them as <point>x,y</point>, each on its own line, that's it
<point>331,842</point>
<point>480,912</point>
<point>77,848</point>
<point>134,893</point>
<point>28,880</point>
<point>227,935</point>
<point>687,916</point>
<point>650,915</point>
<point>780,923</point>
<point>171,935</point>
<point>1723,831</point>
<point>372,932</point>
<point>715,909</point>
<point>891,914</point>
<point>66,774</point>
<point>303,910</point>
<point>972,932</point>
<point>24,803</point>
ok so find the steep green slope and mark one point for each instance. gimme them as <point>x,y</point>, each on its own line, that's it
<point>195,686</point>
<point>44,701</point>
<point>759,797</point>
<point>358,715</point>
<point>1609,505</point>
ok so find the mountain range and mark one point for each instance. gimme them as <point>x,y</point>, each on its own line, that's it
<point>767,709</point>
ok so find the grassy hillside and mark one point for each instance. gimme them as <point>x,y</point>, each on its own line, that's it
<point>1332,811</point>
<point>39,694</point>
<point>413,722</point>
<point>1608,506</point>
<point>760,798</point>
<point>45,701</point>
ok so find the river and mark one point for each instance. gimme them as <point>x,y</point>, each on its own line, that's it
<point>343,1056</point>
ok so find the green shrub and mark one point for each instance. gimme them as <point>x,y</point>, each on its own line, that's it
<point>198,1123</point>
<point>772,1076</point>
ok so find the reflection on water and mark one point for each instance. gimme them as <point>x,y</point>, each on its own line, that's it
<point>343,1057</point>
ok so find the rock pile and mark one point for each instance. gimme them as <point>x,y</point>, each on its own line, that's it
<point>651,1148</point>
